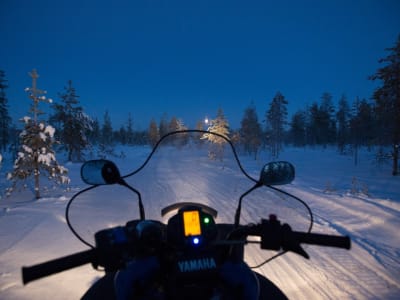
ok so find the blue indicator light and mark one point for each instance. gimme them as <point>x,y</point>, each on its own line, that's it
<point>195,241</point>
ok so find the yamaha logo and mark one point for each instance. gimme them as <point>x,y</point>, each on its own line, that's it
<point>197,265</point>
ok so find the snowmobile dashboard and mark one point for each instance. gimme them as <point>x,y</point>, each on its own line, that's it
<point>191,227</point>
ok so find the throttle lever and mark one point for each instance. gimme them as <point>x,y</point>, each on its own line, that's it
<point>290,243</point>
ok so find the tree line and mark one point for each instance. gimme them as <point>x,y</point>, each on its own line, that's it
<point>348,125</point>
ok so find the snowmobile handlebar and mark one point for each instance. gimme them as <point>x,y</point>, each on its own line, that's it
<point>336,241</point>
<point>274,236</point>
<point>57,265</point>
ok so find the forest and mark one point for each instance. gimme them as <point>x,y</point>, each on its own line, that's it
<point>347,124</point>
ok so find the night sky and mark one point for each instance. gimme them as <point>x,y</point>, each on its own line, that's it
<point>188,58</point>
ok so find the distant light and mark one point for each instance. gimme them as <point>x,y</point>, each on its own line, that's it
<point>196,241</point>
<point>206,120</point>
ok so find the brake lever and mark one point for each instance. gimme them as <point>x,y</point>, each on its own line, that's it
<point>290,243</point>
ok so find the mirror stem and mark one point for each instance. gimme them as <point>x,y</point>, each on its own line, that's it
<point>239,208</point>
<point>141,207</point>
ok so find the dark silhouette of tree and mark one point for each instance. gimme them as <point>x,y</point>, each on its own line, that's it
<point>362,126</point>
<point>298,127</point>
<point>5,119</point>
<point>276,118</point>
<point>314,132</point>
<point>327,119</point>
<point>250,131</point>
<point>387,99</point>
<point>107,130</point>
<point>120,136</point>
<point>130,135</point>
<point>72,123</point>
<point>343,116</point>
<point>154,134</point>
<point>321,128</point>
<point>94,135</point>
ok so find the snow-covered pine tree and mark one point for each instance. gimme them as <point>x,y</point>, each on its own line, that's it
<point>219,125</point>
<point>175,125</point>
<point>36,156</point>
<point>73,124</point>
<point>5,119</point>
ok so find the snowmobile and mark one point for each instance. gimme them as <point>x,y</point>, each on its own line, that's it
<point>188,253</point>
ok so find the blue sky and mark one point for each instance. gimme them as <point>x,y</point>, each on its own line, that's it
<point>187,58</point>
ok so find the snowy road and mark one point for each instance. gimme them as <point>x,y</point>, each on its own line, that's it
<point>32,232</point>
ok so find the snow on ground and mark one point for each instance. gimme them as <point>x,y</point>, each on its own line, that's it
<point>360,201</point>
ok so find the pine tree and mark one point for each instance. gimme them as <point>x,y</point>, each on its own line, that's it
<point>197,137</point>
<point>73,124</point>
<point>107,130</point>
<point>343,116</point>
<point>250,131</point>
<point>5,118</point>
<point>219,125</point>
<point>94,135</point>
<point>154,134</point>
<point>298,127</point>
<point>107,137</point>
<point>327,119</point>
<point>276,120</point>
<point>163,127</point>
<point>314,125</point>
<point>387,98</point>
<point>174,124</point>
<point>321,128</point>
<point>121,136</point>
<point>181,139</point>
<point>362,126</point>
<point>129,131</point>
<point>36,153</point>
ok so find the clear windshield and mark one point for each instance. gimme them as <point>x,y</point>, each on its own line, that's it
<point>184,168</point>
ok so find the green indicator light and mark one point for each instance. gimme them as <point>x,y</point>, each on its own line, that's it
<point>206,220</point>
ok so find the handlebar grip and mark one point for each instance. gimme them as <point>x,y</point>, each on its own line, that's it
<point>323,240</point>
<point>57,265</point>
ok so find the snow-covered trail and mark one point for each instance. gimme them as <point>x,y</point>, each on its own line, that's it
<point>32,232</point>
<point>370,270</point>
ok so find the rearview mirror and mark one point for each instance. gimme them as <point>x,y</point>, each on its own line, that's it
<point>100,172</point>
<point>277,173</point>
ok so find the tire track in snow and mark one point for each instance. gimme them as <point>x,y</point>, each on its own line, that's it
<point>362,266</point>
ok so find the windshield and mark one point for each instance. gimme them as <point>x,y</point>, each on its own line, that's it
<point>185,167</point>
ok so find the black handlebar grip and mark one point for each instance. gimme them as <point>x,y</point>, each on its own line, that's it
<point>57,265</point>
<point>323,240</point>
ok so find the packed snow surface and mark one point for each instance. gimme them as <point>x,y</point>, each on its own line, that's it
<point>361,201</point>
